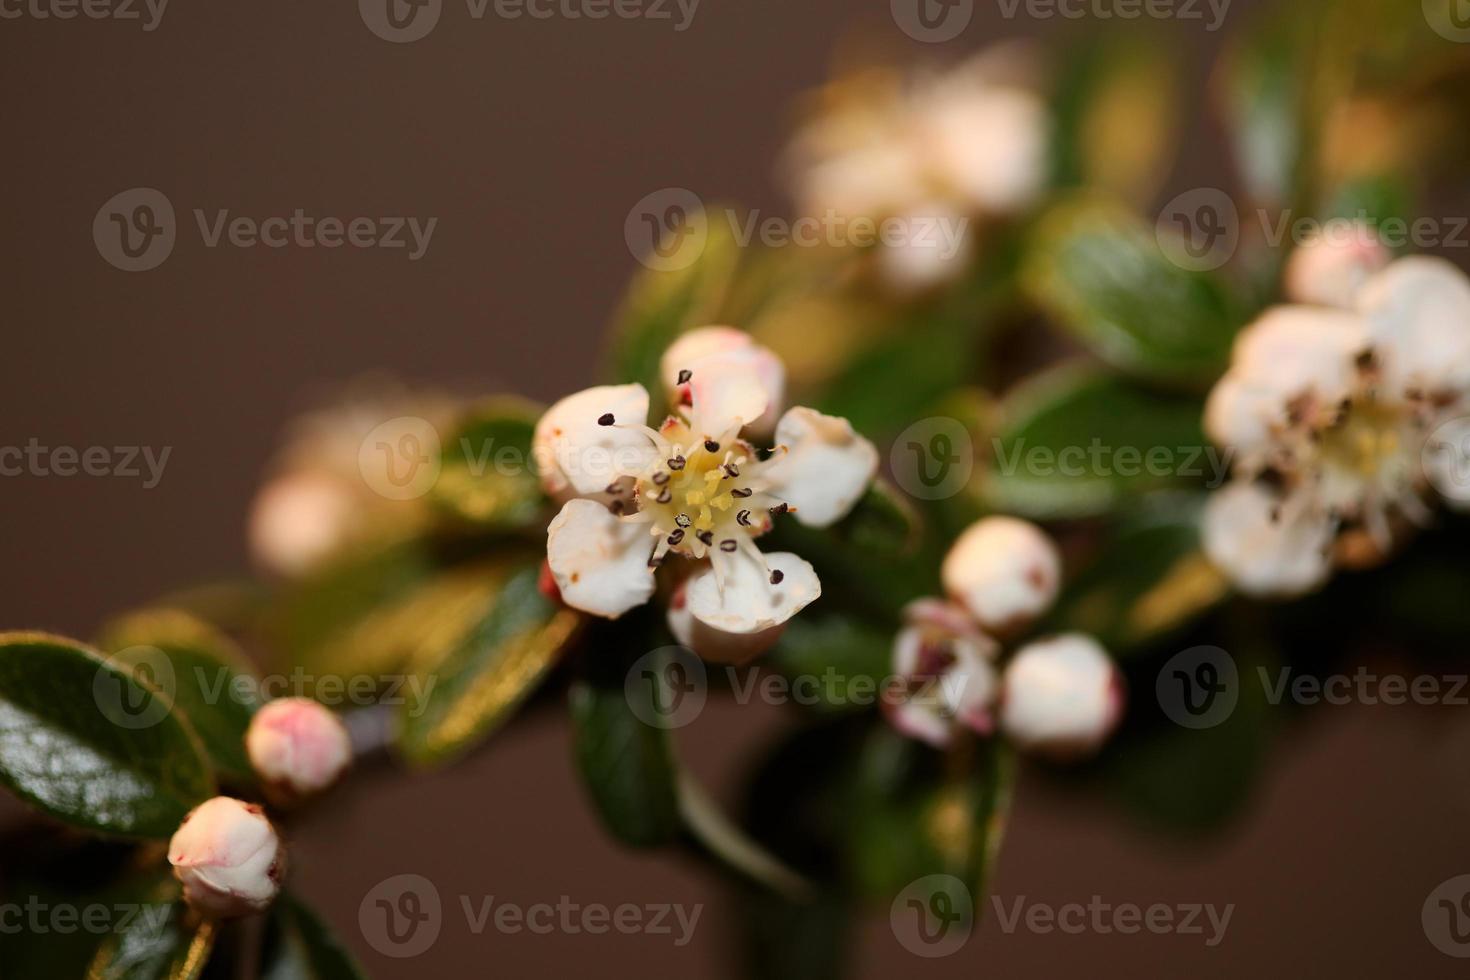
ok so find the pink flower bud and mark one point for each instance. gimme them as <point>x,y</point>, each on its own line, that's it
<point>228,858</point>
<point>1062,696</point>
<point>297,747</point>
<point>1331,266</point>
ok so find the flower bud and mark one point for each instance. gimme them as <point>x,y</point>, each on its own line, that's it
<point>297,747</point>
<point>298,520</point>
<point>948,682</point>
<point>1061,696</point>
<point>1331,266</point>
<point>228,858</point>
<point>1006,571</point>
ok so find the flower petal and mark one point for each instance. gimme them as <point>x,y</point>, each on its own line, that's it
<point>746,601</point>
<point>1062,696</point>
<point>726,393</point>
<point>600,563</point>
<point>988,143</point>
<point>576,455</point>
<point>1292,350</point>
<point>1331,266</point>
<point>826,468</point>
<point>1418,314</point>
<point>1263,544</point>
<point>715,350</point>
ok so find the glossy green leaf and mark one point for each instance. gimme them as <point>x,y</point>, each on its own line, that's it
<point>164,941</point>
<point>486,674</point>
<point>1077,442</point>
<point>1147,580</point>
<point>206,675</point>
<point>88,743</point>
<point>1101,274</point>
<point>299,946</point>
<point>626,764</point>
<point>488,478</point>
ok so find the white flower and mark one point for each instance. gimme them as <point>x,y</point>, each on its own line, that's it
<point>1328,413</point>
<point>298,519</point>
<point>1005,571</point>
<point>949,681</point>
<point>1331,266</point>
<point>971,141</point>
<point>1061,696</point>
<point>228,858</point>
<point>297,746</point>
<point>696,488</point>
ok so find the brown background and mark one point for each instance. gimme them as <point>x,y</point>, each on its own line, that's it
<point>529,140</point>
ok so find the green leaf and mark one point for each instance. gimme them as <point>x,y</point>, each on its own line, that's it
<point>88,743</point>
<point>627,765</point>
<point>165,941</point>
<point>489,672</point>
<point>1079,442</point>
<point>203,671</point>
<point>1115,108</point>
<point>299,946</point>
<point>1101,273</point>
<point>1147,580</point>
<point>915,813</point>
<point>660,305</point>
<point>847,658</point>
<point>488,478</point>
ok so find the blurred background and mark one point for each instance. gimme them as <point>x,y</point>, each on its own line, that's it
<point>529,141</point>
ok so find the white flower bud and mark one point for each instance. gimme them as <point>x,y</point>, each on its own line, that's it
<point>297,747</point>
<point>228,858</point>
<point>1006,571</point>
<point>1061,696</point>
<point>299,519</point>
<point>1330,267</point>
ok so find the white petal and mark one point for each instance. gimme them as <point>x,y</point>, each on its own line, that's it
<point>600,563</point>
<point>716,350</point>
<point>1006,571</point>
<point>1062,696</point>
<point>934,246</point>
<point>1240,415</point>
<point>577,456</point>
<point>713,644</point>
<point>1292,350</point>
<point>826,469</point>
<point>1331,267</point>
<point>1286,556</point>
<point>747,601</point>
<point>726,393</point>
<point>989,144</point>
<point>1418,313</point>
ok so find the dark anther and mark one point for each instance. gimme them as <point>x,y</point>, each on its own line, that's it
<point>741,492</point>
<point>727,545</point>
<point>684,376</point>
<point>664,497</point>
<point>660,478</point>
<point>780,509</point>
<point>676,536</point>
<point>682,520</point>
<point>777,576</point>
<point>676,463</point>
<point>707,537</point>
<point>730,470</point>
<point>606,419</point>
<point>743,518</point>
<point>710,446</point>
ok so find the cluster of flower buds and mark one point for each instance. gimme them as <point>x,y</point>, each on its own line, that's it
<point>1058,696</point>
<point>226,854</point>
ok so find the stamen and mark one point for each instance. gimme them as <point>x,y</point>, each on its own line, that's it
<point>676,462</point>
<point>606,419</point>
<point>728,545</point>
<point>743,518</point>
<point>664,497</point>
<point>684,376</point>
<point>682,520</point>
<point>782,508</point>
<point>777,576</point>
<point>707,537</point>
<point>731,470</point>
<point>741,492</point>
<point>676,536</point>
<point>660,478</point>
<point>710,446</point>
